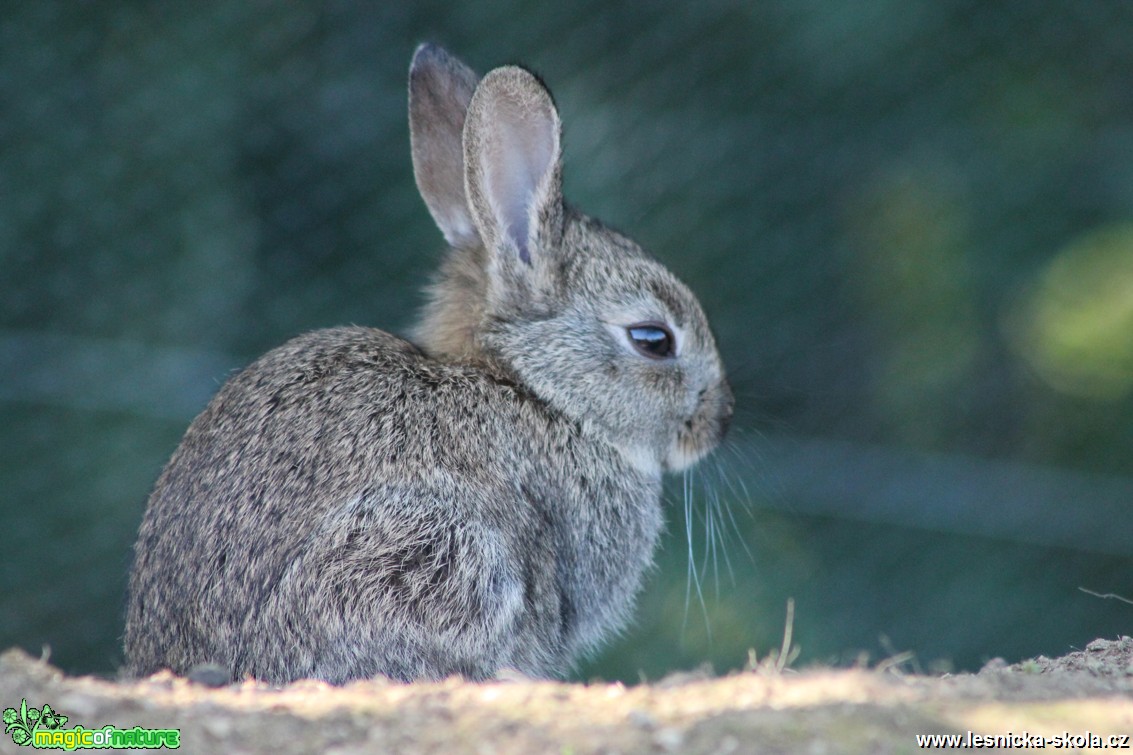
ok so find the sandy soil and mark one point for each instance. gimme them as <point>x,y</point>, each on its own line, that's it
<point>815,710</point>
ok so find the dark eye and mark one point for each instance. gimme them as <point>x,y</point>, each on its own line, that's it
<point>652,340</point>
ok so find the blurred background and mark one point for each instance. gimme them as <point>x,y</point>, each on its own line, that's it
<point>911,222</point>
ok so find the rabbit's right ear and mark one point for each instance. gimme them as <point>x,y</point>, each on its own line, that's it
<point>440,88</point>
<point>513,164</point>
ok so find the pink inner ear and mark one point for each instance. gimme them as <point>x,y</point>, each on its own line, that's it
<point>522,153</point>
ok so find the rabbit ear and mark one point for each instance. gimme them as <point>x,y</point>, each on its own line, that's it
<point>440,88</point>
<point>513,176</point>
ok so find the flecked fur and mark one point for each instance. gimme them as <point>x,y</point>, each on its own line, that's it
<point>486,497</point>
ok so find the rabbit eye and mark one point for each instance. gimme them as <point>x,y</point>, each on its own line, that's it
<point>652,340</point>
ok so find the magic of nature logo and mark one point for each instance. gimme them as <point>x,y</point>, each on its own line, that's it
<point>43,728</point>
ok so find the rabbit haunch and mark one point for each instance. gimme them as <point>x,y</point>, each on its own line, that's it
<point>353,504</point>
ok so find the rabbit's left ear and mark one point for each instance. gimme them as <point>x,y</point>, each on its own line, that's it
<point>513,177</point>
<point>440,88</point>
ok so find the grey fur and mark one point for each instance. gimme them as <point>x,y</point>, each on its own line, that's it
<point>353,504</point>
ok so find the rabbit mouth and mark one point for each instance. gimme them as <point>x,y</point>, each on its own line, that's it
<point>704,430</point>
<point>681,457</point>
<point>695,441</point>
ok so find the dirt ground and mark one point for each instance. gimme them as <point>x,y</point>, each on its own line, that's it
<point>763,710</point>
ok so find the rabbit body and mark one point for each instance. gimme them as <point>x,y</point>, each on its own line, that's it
<point>486,497</point>
<point>405,516</point>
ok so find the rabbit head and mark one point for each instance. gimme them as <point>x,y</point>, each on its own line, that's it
<point>578,313</point>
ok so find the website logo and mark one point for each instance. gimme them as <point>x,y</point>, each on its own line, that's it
<point>43,728</point>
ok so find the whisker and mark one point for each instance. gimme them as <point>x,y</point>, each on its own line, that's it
<point>735,482</point>
<point>738,532</point>
<point>688,539</point>
<point>707,518</point>
<point>693,574</point>
<point>717,504</point>
<point>721,471</point>
<point>712,541</point>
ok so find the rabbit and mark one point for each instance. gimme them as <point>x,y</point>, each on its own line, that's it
<point>483,498</point>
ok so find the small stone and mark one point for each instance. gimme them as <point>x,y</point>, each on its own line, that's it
<point>209,674</point>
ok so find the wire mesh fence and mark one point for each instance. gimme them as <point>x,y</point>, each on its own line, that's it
<point>910,223</point>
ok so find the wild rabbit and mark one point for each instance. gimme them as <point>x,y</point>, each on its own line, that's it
<point>487,496</point>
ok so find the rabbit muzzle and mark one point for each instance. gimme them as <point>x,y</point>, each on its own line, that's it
<point>704,429</point>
